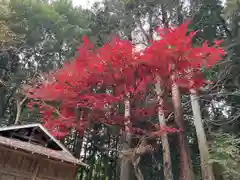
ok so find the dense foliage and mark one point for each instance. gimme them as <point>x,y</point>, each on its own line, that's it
<point>81,94</point>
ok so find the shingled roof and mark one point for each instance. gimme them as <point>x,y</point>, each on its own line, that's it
<point>50,146</point>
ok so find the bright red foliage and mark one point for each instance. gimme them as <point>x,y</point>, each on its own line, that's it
<point>175,54</point>
<point>93,87</point>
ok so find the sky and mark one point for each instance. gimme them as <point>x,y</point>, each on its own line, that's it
<point>85,3</point>
<point>89,3</point>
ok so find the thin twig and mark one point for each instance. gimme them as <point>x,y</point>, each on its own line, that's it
<point>3,83</point>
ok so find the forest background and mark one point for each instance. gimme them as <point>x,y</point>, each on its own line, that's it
<point>39,36</point>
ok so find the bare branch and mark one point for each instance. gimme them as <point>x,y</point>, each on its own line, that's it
<point>3,83</point>
<point>19,109</point>
<point>142,29</point>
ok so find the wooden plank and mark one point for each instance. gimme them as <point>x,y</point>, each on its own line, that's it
<point>44,178</point>
<point>7,171</point>
<point>2,158</point>
<point>39,156</point>
<point>19,160</point>
<point>7,177</point>
<point>22,178</point>
<point>5,158</point>
<point>29,139</point>
<point>36,172</point>
<point>14,161</point>
<point>26,165</point>
<point>47,178</point>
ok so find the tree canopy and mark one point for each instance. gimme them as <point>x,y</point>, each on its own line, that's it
<point>153,85</point>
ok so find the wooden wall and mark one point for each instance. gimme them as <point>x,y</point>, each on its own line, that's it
<point>18,165</point>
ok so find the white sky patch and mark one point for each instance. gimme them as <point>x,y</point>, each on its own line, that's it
<point>89,3</point>
<point>85,3</point>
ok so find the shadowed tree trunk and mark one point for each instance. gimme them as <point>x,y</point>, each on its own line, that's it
<point>207,173</point>
<point>126,142</point>
<point>125,169</point>
<point>186,172</point>
<point>167,164</point>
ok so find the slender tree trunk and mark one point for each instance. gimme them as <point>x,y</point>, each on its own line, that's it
<point>77,146</point>
<point>78,138</point>
<point>92,162</point>
<point>85,150</point>
<point>164,16</point>
<point>186,172</point>
<point>125,169</point>
<point>180,17</point>
<point>167,164</point>
<point>207,173</point>
<point>115,156</point>
<point>126,144</point>
<point>19,109</point>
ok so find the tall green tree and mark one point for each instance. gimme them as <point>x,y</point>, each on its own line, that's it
<point>36,37</point>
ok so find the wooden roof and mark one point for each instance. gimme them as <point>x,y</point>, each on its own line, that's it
<point>59,152</point>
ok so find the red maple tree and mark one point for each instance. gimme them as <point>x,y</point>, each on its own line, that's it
<point>92,88</point>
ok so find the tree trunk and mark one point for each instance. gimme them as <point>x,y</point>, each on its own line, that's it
<point>207,173</point>
<point>167,164</point>
<point>19,109</point>
<point>126,138</point>
<point>164,17</point>
<point>186,172</point>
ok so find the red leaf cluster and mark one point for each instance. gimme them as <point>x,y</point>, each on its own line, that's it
<point>175,54</point>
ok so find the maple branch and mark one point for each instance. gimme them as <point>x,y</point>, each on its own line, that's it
<point>64,119</point>
<point>19,108</point>
<point>134,155</point>
<point>55,109</point>
<point>142,29</point>
<point>3,83</point>
<point>24,99</point>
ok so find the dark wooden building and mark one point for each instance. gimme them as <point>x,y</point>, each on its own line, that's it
<point>30,152</point>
